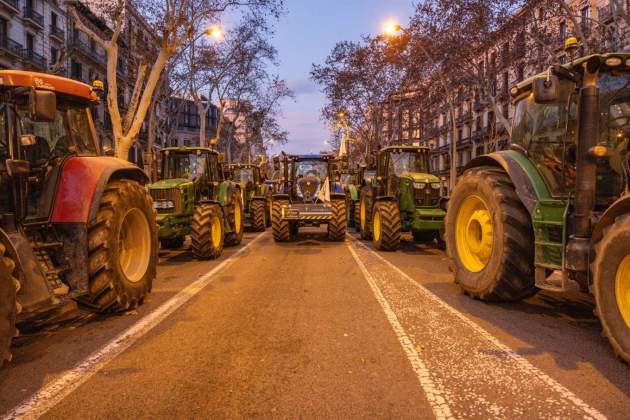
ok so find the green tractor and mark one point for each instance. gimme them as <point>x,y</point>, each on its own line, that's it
<point>194,198</point>
<point>553,212</point>
<point>348,178</point>
<point>402,197</point>
<point>256,193</point>
<point>308,197</point>
<point>364,179</point>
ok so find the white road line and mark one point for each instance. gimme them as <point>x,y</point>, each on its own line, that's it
<point>435,395</point>
<point>520,360</point>
<point>53,393</point>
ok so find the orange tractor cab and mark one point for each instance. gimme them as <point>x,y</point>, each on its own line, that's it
<point>75,226</point>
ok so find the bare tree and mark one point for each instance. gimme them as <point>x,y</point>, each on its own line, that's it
<point>174,22</point>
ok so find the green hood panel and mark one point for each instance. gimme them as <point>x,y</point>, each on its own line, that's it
<point>170,183</point>
<point>421,177</point>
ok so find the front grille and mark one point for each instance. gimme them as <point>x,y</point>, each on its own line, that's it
<point>170,194</point>
<point>427,197</point>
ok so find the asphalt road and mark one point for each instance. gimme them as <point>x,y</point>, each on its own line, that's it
<point>314,329</point>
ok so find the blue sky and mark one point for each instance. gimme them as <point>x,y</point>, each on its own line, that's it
<point>305,35</point>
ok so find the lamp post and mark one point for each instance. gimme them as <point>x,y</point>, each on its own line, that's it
<point>392,29</point>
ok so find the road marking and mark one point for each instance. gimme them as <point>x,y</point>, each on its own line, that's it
<point>521,361</point>
<point>53,393</point>
<point>434,393</point>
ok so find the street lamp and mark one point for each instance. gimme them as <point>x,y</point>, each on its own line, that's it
<point>391,28</point>
<point>215,32</point>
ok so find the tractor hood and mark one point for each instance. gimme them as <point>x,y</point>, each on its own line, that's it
<point>169,183</point>
<point>421,177</point>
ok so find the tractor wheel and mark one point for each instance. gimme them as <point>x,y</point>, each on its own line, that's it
<point>611,280</point>
<point>9,307</point>
<point>236,221</point>
<point>279,226</point>
<point>350,212</point>
<point>337,223</point>
<point>386,226</point>
<point>207,232</point>
<point>364,219</point>
<point>490,237</point>
<point>173,243</point>
<point>122,248</point>
<point>357,216</point>
<point>259,216</point>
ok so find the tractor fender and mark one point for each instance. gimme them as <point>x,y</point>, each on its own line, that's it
<point>527,181</point>
<point>280,196</point>
<point>619,207</point>
<point>226,192</point>
<point>82,183</point>
<point>385,198</point>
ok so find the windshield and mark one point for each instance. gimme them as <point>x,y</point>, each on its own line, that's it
<point>184,165</point>
<point>316,168</point>
<point>402,163</point>
<point>243,175</point>
<point>347,179</point>
<point>68,133</point>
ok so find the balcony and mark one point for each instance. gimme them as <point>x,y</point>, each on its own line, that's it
<point>57,33</point>
<point>464,117</point>
<point>12,6</point>
<point>33,18</point>
<point>463,143</point>
<point>37,61</point>
<point>86,50</point>
<point>10,46</point>
<point>605,14</point>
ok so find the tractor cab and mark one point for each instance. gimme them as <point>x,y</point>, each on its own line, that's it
<point>256,193</point>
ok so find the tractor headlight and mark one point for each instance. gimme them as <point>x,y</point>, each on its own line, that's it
<point>419,185</point>
<point>163,204</point>
<point>436,185</point>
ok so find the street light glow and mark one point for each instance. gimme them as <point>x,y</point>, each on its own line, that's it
<point>391,28</point>
<point>215,32</point>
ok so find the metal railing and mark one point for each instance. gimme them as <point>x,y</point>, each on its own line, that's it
<point>57,31</point>
<point>87,50</point>
<point>12,3</point>
<point>34,58</point>
<point>11,46</point>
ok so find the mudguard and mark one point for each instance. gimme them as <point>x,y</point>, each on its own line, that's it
<point>619,207</point>
<point>527,181</point>
<point>226,192</point>
<point>81,185</point>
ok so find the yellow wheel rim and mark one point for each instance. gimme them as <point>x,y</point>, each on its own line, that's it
<point>237,217</point>
<point>134,245</point>
<point>363,215</point>
<point>474,234</point>
<point>377,226</point>
<point>216,232</point>
<point>622,289</point>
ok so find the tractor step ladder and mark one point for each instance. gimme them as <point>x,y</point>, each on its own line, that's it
<point>550,274</point>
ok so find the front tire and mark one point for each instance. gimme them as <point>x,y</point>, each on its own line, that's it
<point>279,226</point>
<point>611,281</point>
<point>489,236</point>
<point>259,219</point>
<point>386,226</point>
<point>350,212</point>
<point>207,233</point>
<point>235,217</point>
<point>122,245</point>
<point>364,219</point>
<point>337,223</point>
<point>9,286</point>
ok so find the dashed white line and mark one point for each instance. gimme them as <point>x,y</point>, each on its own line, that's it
<point>435,395</point>
<point>522,362</point>
<point>53,393</point>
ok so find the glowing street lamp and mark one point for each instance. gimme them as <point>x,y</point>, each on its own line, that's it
<point>215,32</point>
<point>391,28</point>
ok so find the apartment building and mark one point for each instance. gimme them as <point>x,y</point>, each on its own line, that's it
<point>421,115</point>
<point>185,122</point>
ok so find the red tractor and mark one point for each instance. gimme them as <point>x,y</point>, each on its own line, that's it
<point>75,226</point>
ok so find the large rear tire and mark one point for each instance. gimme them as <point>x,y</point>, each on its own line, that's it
<point>207,233</point>
<point>386,226</point>
<point>258,215</point>
<point>236,220</point>
<point>350,212</point>
<point>611,281</point>
<point>9,286</point>
<point>338,221</point>
<point>357,216</point>
<point>122,244</point>
<point>279,226</point>
<point>490,239</point>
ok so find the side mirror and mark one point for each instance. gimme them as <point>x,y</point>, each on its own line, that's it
<point>43,105</point>
<point>17,167</point>
<point>546,90</point>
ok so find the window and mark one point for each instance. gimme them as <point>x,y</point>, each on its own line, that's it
<point>563,30</point>
<point>30,42</point>
<point>53,20</point>
<point>76,70</point>
<point>54,54</point>
<point>585,15</point>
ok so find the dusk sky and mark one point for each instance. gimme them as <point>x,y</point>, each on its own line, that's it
<point>305,35</point>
